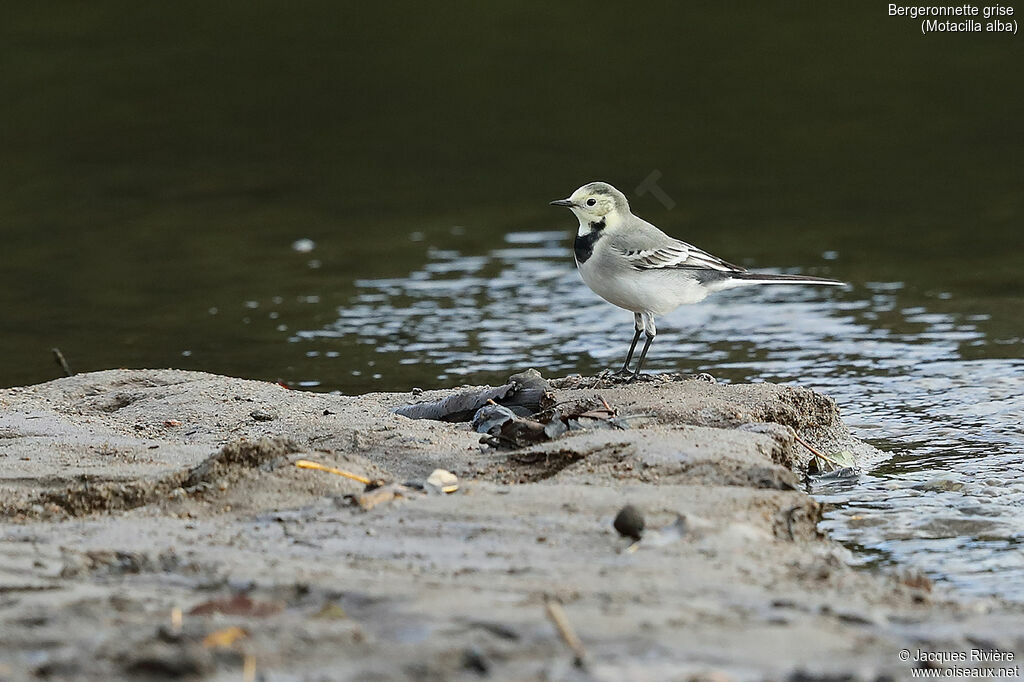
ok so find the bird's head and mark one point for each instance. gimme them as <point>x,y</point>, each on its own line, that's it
<point>596,202</point>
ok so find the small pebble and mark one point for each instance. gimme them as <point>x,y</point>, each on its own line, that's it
<point>629,522</point>
<point>940,484</point>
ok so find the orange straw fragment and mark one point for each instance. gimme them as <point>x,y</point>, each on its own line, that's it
<point>306,464</point>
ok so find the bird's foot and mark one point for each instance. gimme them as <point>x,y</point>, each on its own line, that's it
<point>616,376</point>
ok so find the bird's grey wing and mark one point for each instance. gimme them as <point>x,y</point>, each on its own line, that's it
<point>646,247</point>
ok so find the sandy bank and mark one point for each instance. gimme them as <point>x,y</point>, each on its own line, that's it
<point>129,494</point>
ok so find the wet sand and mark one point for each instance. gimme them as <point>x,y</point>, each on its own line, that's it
<point>129,496</point>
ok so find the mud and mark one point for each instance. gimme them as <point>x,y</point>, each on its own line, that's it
<point>145,513</point>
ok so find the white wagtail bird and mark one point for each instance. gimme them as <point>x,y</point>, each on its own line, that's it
<point>632,264</point>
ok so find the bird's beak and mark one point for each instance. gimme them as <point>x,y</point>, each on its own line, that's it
<point>563,202</point>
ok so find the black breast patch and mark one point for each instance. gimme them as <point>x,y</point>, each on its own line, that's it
<point>583,247</point>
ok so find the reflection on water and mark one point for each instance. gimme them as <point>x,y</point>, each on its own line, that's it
<point>950,501</point>
<point>523,303</point>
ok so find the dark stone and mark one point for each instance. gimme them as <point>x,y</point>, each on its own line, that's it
<point>629,522</point>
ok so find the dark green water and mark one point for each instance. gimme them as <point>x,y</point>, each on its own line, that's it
<point>159,162</point>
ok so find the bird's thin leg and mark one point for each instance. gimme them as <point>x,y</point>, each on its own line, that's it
<point>643,355</point>
<point>650,331</point>
<point>629,355</point>
<point>639,323</point>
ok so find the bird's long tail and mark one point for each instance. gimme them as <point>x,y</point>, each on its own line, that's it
<point>743,278</point>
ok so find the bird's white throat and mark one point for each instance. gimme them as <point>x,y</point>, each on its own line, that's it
<point>590,222</point>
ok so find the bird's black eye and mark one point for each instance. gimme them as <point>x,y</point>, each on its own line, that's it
<point>591,202</point>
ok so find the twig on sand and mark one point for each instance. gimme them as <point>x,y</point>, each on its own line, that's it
<point>59,358</point>
<point>306,464</point>
<point>815,451</point>
<point>557,615</point>
<point>249,668</point>
<point>789,520</point>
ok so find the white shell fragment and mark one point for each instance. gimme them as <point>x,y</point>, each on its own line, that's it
<point>442,480</point>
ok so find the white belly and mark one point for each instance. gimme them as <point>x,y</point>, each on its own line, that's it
<point>646,291</point>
